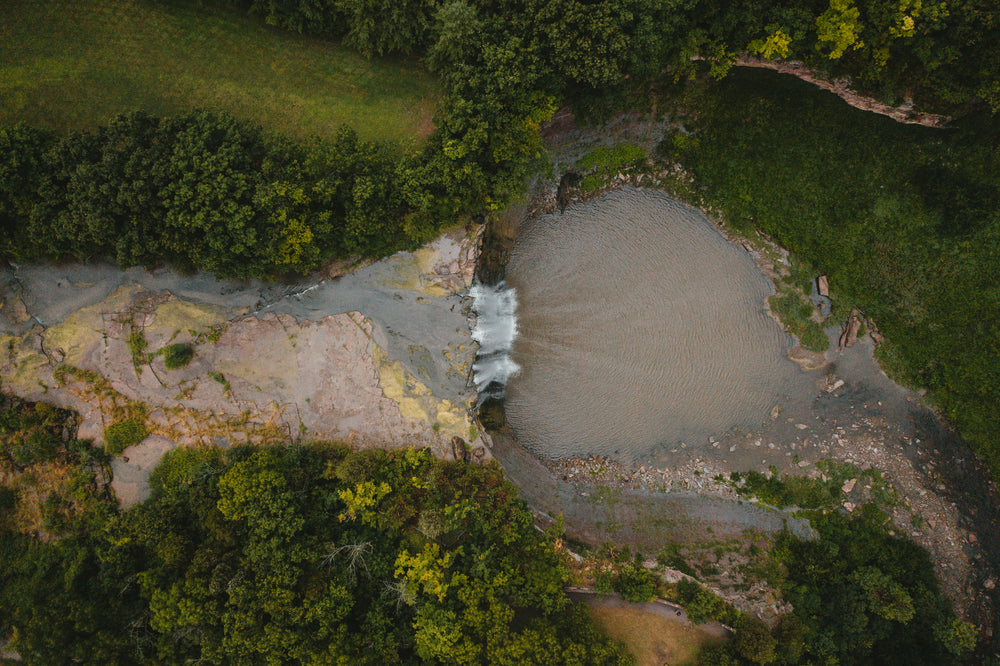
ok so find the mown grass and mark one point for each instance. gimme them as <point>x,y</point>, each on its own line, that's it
<point>651,639</point>
<point>71,65</point>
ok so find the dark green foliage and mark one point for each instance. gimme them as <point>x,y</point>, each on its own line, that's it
<point>701,605</point>
<point>635,583</point>
<point>864,596</point>
<point>8,498</point>
<point>784,491</point>
<point>267,556</point>
<point>203,192</point>
<point>36,433</point>
<point>177,355</point>
<point>754,642</point>
<point>849,193</point>
<point>123,434</point>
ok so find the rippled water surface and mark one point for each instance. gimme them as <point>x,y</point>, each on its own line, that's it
<point>640,327</point>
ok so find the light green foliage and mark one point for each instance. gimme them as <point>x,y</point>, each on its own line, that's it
<point>775,45</point>
<point>635,583</point>
<point>957,636</point>
<point>796,313</point>
<point>609,160</point>
<point>838,28</point>
<point>254,492</point>
<point>362,500</point>
<point>123,434</point>
<point>137,346</point>
<point>73,66</point>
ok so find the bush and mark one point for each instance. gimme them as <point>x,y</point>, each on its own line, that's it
<point>754,642</point>
<point>8,498</point>
<point>177,355</point>
<point>636,584</point>
<point>119,436</point>
<point>700,603</point>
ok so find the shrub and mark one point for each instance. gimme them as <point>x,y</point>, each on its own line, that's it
<point>700,603</point>
<point>8,498</point>
<point>177,355</point>
<point>119,436</point>
<point>636,584</point>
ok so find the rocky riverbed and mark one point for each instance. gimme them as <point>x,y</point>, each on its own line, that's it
<point>844,411</point>
<point>377,357</point>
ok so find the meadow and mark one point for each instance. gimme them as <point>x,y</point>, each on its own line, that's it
<point>75,65</point>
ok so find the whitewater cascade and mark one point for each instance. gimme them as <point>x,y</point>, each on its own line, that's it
<point>495,330</point>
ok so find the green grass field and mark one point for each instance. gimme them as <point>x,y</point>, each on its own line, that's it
<point>68,65</point>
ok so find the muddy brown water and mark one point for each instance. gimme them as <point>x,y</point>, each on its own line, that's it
<point>639,327</point>
<point>643,338</point>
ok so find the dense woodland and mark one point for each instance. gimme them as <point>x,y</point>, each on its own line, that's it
<point>303,554</point>
<point>317,554</point>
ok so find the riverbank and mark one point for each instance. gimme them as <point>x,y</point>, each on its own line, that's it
<point>851,414</point>
<point>378,357</point>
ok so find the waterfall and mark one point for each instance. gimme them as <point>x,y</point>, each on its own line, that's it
<point>495,330</point>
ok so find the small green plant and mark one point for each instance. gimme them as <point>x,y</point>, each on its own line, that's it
<point>119,436</point>
<point>221,378</point>
<point>795,312</point>
<point>591,183</point>
<point>611,159</point>
<point>137,346</point>
<point>787,491</point>
<point>177,355</point>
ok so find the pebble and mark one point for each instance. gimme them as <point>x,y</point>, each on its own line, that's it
<point>732,448</point>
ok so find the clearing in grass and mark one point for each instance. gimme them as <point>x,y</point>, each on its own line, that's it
<point>72,65</point>
<point>651,639</point>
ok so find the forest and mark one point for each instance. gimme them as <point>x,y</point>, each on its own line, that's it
<point>315,553</point>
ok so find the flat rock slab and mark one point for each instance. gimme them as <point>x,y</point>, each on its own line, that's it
<point>131,470</point>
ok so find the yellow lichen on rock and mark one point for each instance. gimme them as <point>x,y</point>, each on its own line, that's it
<point>21,365</point>
<point>80,329</point>
<point>415,399</point>
<point>185,317</point>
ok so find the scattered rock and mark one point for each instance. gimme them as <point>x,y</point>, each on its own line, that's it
<point>822,286</point>
<point>848,486</point>
<point>459,449</point>
<point>849,330</point>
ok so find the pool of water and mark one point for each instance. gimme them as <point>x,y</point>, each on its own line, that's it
<point>640,328</point>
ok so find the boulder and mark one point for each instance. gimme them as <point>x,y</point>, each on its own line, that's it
<point>849,330</point>
<point>459,449</point>
<point>822,286</point>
